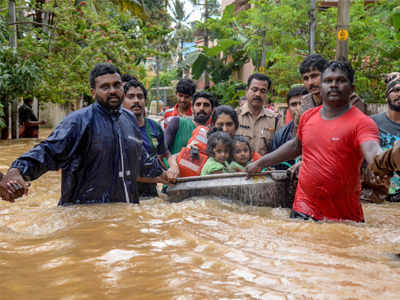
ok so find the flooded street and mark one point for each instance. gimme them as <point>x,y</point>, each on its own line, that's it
<point>200,249</point>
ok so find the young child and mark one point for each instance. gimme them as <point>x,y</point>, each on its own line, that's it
<point>242,154</point>
<point>219,150</point>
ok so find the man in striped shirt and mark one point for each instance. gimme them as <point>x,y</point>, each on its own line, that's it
<point>183,108</point>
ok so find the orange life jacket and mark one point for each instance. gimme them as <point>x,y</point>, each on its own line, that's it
<point>199,138</point>
<point>191,161</point>
<point>255,156</point>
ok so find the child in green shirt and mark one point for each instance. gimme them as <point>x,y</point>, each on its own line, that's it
<point>219,150</point>
<point>241,154</point>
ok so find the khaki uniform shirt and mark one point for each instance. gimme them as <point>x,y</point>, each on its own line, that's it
<point>259,130</point>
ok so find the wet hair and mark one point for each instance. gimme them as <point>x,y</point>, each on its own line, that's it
<point>261,77</point>
<point>186,86</point>
<point>135,84</point>
<point>27,100</point>
<point>203,94</point>
<point>391,86</point>
<point>296,91</point>
<point>228,110</point>
<point>128,77</point>
<point>391,77</point>
<point>242,139</point>
<point>343,66</point>
<point>100,70</point>
<point>216,138</point>
<point>313,62</point>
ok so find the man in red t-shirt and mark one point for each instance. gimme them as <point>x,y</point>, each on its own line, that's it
<point>183,108</point>
<point>333,139</point>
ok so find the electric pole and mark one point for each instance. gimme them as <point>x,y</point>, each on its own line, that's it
<point>206,16</point>
<point>342,30</point>
<point>312,26</point>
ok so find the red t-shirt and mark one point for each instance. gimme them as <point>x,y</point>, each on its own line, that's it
<point>173,112</point>
<point>329,182</point>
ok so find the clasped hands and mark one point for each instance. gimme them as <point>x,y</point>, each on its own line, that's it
<point>12,185</point>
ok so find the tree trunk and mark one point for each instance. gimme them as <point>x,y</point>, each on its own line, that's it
<point>12,20</point>
<point>13,122</point>
<point>180,60</point>
<point>158,82</point>
<point>312,27</point>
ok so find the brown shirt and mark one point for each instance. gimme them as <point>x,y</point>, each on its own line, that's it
<point>259,130</point>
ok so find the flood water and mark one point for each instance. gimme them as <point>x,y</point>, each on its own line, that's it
<point>199,249</point>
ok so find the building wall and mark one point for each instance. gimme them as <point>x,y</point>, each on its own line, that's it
<point>225,3</point>
<point>54,113</point>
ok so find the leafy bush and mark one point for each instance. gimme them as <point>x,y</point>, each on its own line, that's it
<point>18,76</point>
<point>166,78</point>
<point>228,92</point>
<point>273,36</point>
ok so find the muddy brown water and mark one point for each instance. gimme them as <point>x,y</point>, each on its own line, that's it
<point>198,249</point>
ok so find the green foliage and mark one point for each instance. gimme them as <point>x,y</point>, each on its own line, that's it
<point>200,65</point>
<point>79,35</point>
<point>18,76</point>
<point>3,30</point>
<point>166,78</point>
<point>181,32</point>
<point>395,18</point>
<point>373,47</point>
<point>274,36</point>
<point>227,57</point>
<point>228,92</point>
<point>2,124</point>
<point>214,7</point>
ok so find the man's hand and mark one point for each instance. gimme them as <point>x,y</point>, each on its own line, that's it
<point>172,173</point>
<point>253,168</point>
<point>295,170</point>
<point>387,162</point>
<point>376,188</point>
<point>13,186</point>
<point>166,178</point>
<point>381,182</point>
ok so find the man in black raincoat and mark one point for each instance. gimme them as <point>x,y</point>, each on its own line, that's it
<point>99,149</point>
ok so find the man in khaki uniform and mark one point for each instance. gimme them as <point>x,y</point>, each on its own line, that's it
<point>257,123</point>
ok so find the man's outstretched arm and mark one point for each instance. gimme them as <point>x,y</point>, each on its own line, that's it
<point>288,151</point>
<point>385,163</point>
<point>370,150</point>
<point>51,154</point>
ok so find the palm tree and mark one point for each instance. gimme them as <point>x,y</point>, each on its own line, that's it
<point>211,8</point>
<point>182,31</point>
